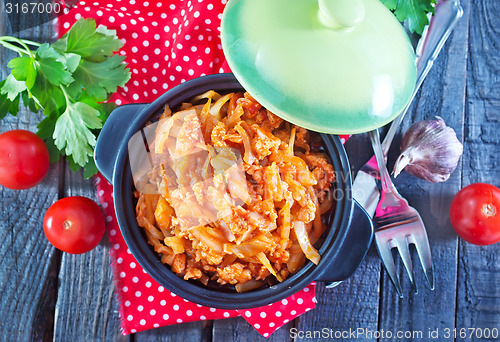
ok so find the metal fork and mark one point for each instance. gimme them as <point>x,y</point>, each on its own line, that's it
<point>397,225</point>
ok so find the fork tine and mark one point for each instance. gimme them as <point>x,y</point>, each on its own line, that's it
<point>424,254</point>
<point>404,252</point>
<point>384,250</point>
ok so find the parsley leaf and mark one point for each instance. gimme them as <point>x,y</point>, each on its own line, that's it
<point>68,80</point>
<point>415,11</point>
<point>23,69</point>
<point>102,78</point>
<point>73,134</point>
<point>12,87</point>
<point>95,45</point>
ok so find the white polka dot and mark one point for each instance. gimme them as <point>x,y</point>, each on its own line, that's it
<point>194,48</point>
<point>210,6</point>
<point>185,59</point>
<point>256,326</point>
<point>161,288</point>
<point>130,317</point>
<point>191,72</point>
<point>207,50</point>
<point>300,301</point>
<point>134,49</point>
<point>173,294</point>
<point>263,314</point>
<point>122,274</point>
<point>135,279</point>
<point>135,35</point>
<point>278,313</point>
<point>145,4</point>
<point>138,294</point>
<point>133,331</point>
<point>145,29</point>
<point>286,321</point>
<point>154,23</point>
<point>157,51</point>
<point>156,66</point>
<point>145,57</point>
<point>265,334</point>
<point>178,68</point>
<point>124,289</point>
<point>66,25</point>
<point>165,316</point>
<point>140,308</point>
<point>272,324</point>
<point>248,314</point>
<point>109,218</point>
<point>148,284</point>
<point>111,19</point>
<point>135,97</point>
<point>190,313</point>
<point>133,21</point>
<point>151,298</point>
<point>78,16</point>
<point>293,312</point>
<point>145,43</point>
<point>128,251</point>
<point>208,21</point>
<point>127,303</point>
<point>284,302</point>
<point>163,16</point>
<point>179,320</point>
<point>175,307</point>
<point>196,14</point>
<point>203,318</point>
<point>143,322</point>
<point>163,302</point>
<point>199,62</point>
<point>306,289</point>
<point>156,325</point>
<point>152,312</point>
<point>119,260</point>
<point>132,2</point>
<point>164,86</point>
<point>118,102</point>
<point>226,314</point>
<point>213,310</point>
<point>172,6</point>
<point>175,21</point>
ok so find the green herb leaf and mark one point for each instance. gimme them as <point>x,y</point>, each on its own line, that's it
<point>99,79</point>
<point>415,11</point>
<point>54,71</point>
<point>23,69</point>
<point>73,134</point>
<point>6,105</point>
<point>95,45</point>
<point>12,87</point>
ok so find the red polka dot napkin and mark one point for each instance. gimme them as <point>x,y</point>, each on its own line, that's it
<point>166,43</point>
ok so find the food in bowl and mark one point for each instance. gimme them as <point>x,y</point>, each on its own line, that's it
<point>235,194</point>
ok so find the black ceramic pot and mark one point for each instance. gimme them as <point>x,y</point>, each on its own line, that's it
<point>342,250</point>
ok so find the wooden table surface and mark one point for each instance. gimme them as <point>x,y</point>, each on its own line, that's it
<point>46,294</point>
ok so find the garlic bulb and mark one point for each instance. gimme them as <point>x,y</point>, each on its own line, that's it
<point>429,150</point>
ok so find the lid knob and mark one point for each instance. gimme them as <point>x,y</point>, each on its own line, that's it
<point>341,14</point>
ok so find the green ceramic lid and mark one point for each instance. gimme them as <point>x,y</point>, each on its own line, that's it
<point>332,66</point>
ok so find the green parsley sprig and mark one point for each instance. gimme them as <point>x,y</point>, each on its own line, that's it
<point>69,80</point>
<point>414,11</point>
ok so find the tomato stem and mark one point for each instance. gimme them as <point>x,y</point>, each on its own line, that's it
<point>489,210</point>
<point>67,225</point>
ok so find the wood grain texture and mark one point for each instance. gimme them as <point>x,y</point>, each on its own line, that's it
<point>478,300</point>
<point>192,331</point>
<point>443,93</point>
<point>239,330</point>
<point>87,308</point>
<point>28,277</point>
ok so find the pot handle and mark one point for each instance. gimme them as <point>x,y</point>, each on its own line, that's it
<point>352,250</point>
<point>111,137</point>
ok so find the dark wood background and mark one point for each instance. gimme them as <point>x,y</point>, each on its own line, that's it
<point>49,295</point>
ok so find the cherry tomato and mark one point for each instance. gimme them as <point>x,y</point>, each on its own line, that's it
<point>24,159</point>
<point>74,224</point>
<point>475,214</point>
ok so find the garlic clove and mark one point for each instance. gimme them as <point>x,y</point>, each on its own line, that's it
<point>429,150</point>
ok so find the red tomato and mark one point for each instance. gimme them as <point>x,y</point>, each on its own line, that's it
<point>24,159</point>
<point>74,224</point>
<point>475,214</point>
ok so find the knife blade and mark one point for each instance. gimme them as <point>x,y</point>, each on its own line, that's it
<point>443,21</point>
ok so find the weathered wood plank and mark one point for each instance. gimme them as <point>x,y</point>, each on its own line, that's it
<point>87,308</point>
<point>443,93</point>
<point>28,276</point>
<point>192,331</point>
<point>239,330</point>
<point>478,300</point>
